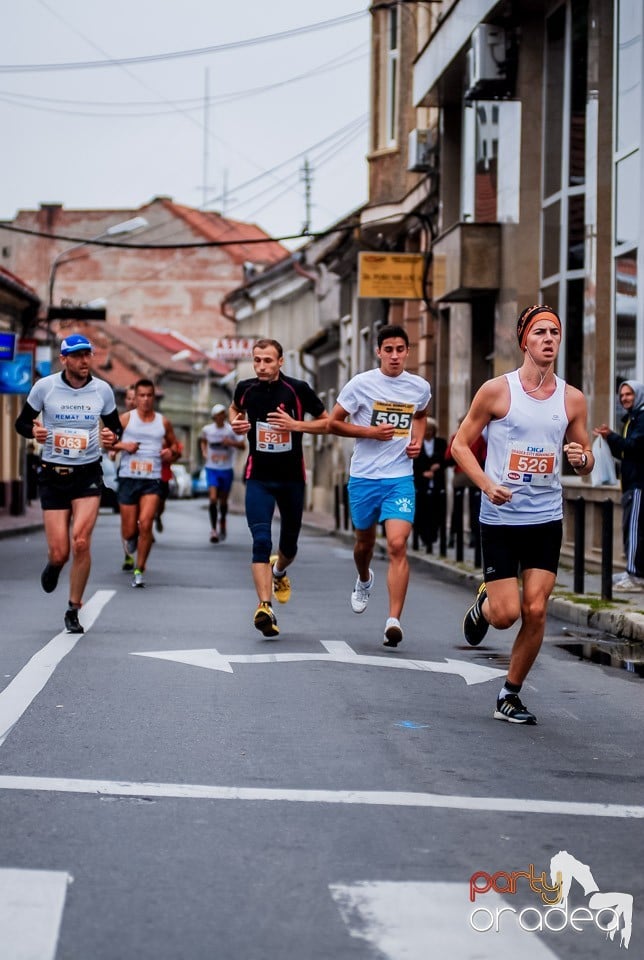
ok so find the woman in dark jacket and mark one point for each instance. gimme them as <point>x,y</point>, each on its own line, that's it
<point>628,448</point>
<point>429,481</point>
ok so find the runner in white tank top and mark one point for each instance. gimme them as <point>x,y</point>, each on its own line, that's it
<point>528,415</point>
<point>148,440</point>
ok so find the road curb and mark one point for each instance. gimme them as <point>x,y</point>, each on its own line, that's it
<point>623,625</point>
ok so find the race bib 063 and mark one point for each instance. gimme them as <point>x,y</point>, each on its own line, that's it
<point>69,442</point>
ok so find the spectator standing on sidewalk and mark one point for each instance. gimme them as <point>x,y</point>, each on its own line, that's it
<point>429,481</point>
<point>388,411</point>
<point>528,414</point>
<point>628,448</point>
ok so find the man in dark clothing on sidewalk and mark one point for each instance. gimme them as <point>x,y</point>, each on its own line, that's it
<point>629,450</point>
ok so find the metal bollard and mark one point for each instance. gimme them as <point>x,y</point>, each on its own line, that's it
<point>580,545</point>
<point>607,550</point>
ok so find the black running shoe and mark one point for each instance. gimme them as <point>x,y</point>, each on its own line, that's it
<point>475,626</point>
<point>128,563</point>
<point>511,709</point>
<point>49,577</point>
<point>265,620</point>
<point>72,623</point>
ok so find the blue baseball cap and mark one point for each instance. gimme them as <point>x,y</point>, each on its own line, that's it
<point>74,344</point>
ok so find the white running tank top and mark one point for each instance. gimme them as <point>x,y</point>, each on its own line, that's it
<point>524,453</point>
<point>145,464</point>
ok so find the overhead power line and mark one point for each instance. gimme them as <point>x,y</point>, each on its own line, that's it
<point>125,108</point>
<point>183,54</point>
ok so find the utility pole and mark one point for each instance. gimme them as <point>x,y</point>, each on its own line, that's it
<point>306,174</point>
<point>206,141</point>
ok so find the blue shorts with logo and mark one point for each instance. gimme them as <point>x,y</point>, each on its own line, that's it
<point>374,501</point>
<point>222,480</point>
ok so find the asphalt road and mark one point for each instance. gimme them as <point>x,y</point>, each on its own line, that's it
<point>174,786</point>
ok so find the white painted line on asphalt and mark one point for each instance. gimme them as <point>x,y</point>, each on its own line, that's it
<point>26,685</point>
<point>31,910</point>
<point>337,652</point>
<point>385,798</point>
<point>412,921</point>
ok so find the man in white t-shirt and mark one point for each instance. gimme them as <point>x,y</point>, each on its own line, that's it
<point>218,443</point>
<point>387,407</point>
<point>64,412</point>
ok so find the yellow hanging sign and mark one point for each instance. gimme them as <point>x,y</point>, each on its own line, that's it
<point>394,276</point>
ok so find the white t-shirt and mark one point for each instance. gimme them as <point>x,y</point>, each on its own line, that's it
<point>371,398</point>
<point>71,416</point>
<point>219,455</point>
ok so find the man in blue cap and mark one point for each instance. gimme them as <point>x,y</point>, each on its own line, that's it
<point>62,413</point>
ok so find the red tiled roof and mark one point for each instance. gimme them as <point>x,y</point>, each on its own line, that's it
<point>174,343</point>
<point>15,282</point>
<point>214,227</point>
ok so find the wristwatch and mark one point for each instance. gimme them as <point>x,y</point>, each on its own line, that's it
<point>584,461</point>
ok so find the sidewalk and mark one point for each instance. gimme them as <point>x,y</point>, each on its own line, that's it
<point>622,617</point>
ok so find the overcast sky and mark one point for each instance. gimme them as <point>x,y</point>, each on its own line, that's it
<point>117,136</point>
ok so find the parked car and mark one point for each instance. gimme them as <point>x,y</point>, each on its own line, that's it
<point>109,497</point>
<point>181,483</point>
<point>199,485</point>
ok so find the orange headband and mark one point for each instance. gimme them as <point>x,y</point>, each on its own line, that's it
<point>530,316</point>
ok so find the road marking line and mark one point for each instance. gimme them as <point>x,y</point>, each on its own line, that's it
<point>31,910</point>
<point>27,684</point>
<point>387,798</point>
<point>337,652</point>
<point>410,921</point>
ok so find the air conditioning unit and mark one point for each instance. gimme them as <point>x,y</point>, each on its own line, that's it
<point>422,151</point>
<point>486,63</point>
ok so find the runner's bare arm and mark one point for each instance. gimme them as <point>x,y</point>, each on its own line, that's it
<point>418,424</point>
<point>577,447</point>
<point>490,402</point>
<point>338,425</point>
<point>281,419</point>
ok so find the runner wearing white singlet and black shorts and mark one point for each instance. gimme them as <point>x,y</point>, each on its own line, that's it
<point>529,413</point>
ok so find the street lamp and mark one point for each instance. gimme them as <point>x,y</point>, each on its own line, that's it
<point>127,226</point>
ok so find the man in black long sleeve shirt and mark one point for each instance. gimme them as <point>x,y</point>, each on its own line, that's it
<point>62,413</point>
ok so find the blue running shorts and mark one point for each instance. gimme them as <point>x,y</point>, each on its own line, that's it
<point>374,501</point>
<point>221,479</point>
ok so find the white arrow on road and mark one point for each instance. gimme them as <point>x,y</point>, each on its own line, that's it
<point>337,652</point>
<point>31,911</point>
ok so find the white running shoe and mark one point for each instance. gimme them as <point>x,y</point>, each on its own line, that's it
<point>629,584</point>
<point>393,632</point>
<point>360,595</point>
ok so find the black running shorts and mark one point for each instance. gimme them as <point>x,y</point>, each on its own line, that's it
<point>508,550</point>
<point>59,485</point>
